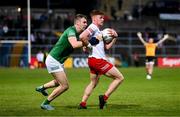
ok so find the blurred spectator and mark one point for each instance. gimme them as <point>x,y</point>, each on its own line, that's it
<point>162,32</point>
<point>45,54</point>
<point>136,59</point>
<point>127,16</point>
<point>40,58</point>
<point>33,39</point>
<point>43,38</point>
<point>18,22</point>
<point>40,36</point>
<point>1,30</point>
<point>113,13</point>
<point>120,2</point>
<point>43,17</point>
<point>5,29</point>
<point>68,21</point>
<point>106,18</point>
<point>59,23</point>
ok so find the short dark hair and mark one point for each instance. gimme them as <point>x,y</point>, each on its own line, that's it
<point>96,12</point>
<point>79,16</point>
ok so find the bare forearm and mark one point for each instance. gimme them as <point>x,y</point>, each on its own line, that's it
<point>140,38</point>
<point>85,41</point>
<point>163,39</point>
<point>108,46</point>
<point>78,44</point>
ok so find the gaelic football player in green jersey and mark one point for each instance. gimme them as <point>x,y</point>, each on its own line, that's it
<point>68,41</point>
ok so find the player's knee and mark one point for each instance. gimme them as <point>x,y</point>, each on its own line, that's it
<point>65,87</point>
<point>93,84</point>
<point>120,78</point>
<point>88,94</point>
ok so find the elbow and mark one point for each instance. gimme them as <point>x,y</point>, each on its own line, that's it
<point>84,41</point>
<point>93,41</point>
<point>107,47</point>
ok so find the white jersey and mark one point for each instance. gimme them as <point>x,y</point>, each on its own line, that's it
<point>97,50</point>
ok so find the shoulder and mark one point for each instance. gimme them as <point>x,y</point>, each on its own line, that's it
<point>70,31</point>
<point>71,28</point>
<point>92,27</point>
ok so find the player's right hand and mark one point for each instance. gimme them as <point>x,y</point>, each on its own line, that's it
<point>86,49</point>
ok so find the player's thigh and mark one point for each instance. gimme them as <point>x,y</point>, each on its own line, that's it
<point>94,78</point>
<point>150,64</point>
<point>60,77</point>
<point>114,73</point>
<point>53,65</point>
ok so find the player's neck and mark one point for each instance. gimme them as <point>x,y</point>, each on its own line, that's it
<point>99,26</point>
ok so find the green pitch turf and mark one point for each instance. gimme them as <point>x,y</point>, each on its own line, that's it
<point>137,96</point>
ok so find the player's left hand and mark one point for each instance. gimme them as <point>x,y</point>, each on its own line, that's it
<point>114,33</point>
<point>99,37</point>
<point>166,36</point>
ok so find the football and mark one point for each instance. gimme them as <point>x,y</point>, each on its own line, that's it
<point>106,34</point>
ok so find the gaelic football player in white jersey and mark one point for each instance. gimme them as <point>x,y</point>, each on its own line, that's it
<point>97,60</point>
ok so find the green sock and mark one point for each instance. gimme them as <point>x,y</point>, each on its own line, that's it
<point>46,101</point>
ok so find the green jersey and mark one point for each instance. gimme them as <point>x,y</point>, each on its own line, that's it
<point>63,48</point>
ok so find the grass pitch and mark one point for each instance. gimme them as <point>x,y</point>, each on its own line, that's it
<point>137,96</point>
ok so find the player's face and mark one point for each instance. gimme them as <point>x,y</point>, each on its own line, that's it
<point>99,19</point>
<point>151,40</point>
<point>82,24</point>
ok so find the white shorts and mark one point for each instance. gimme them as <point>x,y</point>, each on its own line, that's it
<point>53,65</point>
<point>150,63</point>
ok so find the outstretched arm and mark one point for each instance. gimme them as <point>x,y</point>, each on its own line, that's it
<point>75,44</point>
<point>84,37</point>
<point>139,34</point>
<point>163,39</point>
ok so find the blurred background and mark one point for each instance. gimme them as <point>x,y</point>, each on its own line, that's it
<point>49,18</point>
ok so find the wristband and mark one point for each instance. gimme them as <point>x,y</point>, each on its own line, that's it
<point>89,45</point>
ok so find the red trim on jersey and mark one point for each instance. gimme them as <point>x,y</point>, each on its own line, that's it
<point>90,30</point>
<point>99,66</point>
